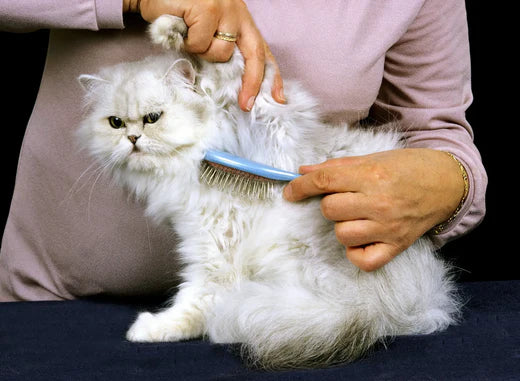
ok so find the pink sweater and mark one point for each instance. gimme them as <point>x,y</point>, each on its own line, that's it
<point>71,233</point>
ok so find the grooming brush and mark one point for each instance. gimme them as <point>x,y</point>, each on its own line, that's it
<point>241,176</point>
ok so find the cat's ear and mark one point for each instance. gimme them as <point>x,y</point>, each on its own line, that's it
<point>183,69</point>
<point>89,82</point>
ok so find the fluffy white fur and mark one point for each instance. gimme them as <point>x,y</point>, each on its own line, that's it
<point>269,275</point>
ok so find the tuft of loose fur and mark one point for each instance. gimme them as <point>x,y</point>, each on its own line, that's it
<point>268,276</point>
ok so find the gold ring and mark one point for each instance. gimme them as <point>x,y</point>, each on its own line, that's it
<point>230,37</point>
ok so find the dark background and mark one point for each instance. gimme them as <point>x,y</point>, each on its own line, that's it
<point>487,253</point>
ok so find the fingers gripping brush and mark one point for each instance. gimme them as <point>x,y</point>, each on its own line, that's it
<point>241,176</point>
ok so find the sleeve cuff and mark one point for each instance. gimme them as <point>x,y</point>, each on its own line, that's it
<point>109,14</point>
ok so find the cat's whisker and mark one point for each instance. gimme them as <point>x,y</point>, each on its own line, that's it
<point>105,167</point>
<point>72,189</point>
<point>76,188</point>
<point>180,153</point>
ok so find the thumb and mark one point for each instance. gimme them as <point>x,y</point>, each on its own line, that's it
<point>372,256</point>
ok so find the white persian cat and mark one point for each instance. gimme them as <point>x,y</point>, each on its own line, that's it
<point>267,274</point>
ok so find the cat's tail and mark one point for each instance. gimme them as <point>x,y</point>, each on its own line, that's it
<point>292,328</point>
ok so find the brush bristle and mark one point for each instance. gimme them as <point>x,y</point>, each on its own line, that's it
<point>237,182</point>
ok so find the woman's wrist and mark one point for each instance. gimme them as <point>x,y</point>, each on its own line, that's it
<point>439,228</point>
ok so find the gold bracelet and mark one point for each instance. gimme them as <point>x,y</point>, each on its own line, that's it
<point>438,229</point>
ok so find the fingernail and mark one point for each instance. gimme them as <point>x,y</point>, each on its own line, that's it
<point>304,169</point>
<point>281,95</point>
<point>250,103</point>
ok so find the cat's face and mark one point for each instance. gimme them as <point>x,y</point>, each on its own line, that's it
<point>142,117</point>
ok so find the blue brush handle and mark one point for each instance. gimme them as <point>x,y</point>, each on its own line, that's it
<point>249,166</point>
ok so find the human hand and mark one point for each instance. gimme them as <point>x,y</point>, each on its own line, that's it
<point>204,18</point>
<point>382,202</point>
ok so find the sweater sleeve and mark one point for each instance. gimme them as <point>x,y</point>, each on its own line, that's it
<point>427,88</point>
<point>29,15</point>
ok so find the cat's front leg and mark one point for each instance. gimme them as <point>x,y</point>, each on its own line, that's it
<point>169,32</point>
<point>186,319</point>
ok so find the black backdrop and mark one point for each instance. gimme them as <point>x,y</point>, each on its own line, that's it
<point>488,253</point>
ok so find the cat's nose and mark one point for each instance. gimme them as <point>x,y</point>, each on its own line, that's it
<point>133,138</point>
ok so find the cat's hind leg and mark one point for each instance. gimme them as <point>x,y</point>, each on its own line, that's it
<point>169,32</point>
<point>186,319</point>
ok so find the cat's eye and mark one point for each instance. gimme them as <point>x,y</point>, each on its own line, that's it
<point>116,122</point>
<point>151,117</point>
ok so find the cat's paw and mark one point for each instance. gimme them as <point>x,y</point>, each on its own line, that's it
<point>159,327</point>
<point>168,31</point>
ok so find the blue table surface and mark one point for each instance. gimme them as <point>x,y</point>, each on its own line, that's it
<point>84,340</point>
